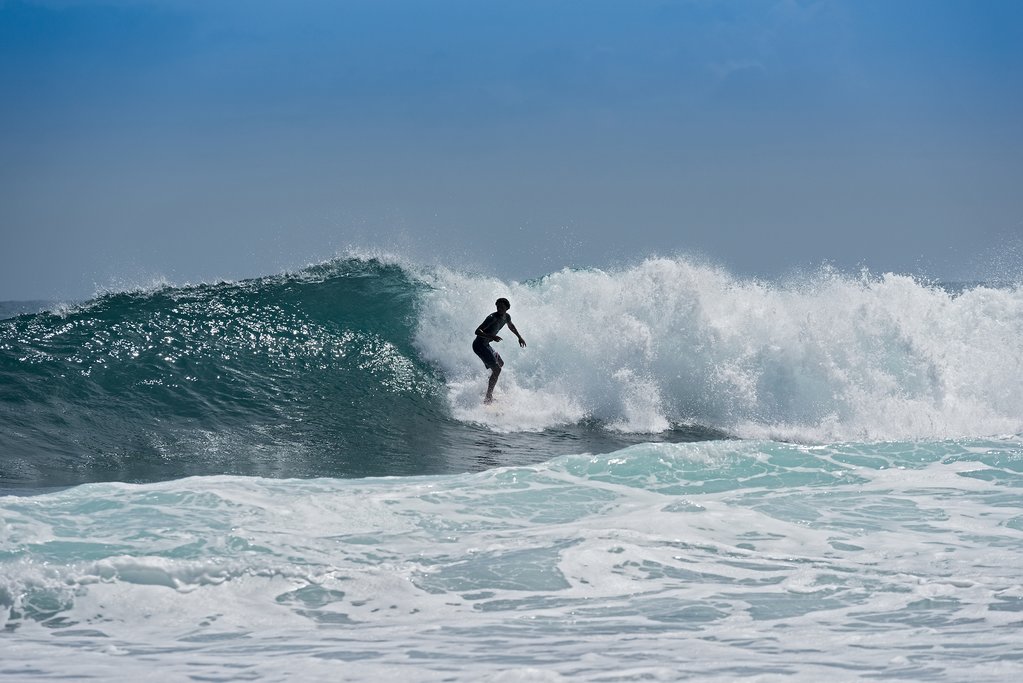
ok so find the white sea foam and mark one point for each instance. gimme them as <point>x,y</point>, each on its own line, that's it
<point>716,561</point>
<point>670,341</point>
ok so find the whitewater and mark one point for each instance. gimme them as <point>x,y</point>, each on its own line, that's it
<point>687,475</point>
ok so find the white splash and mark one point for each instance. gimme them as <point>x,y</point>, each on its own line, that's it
<point>671,341</point>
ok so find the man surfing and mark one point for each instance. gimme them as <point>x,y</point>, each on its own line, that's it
<point>486,333</point>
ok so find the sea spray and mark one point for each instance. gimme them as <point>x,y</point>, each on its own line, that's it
<point>669,341</point>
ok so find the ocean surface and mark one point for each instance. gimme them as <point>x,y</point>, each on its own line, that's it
<point>686,475</point>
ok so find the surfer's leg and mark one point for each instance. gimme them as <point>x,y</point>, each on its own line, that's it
<point>494,372</point>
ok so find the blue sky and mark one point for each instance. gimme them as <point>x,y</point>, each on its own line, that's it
<point>192,140</point>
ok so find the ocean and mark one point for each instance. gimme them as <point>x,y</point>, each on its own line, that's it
<point>686,475</point>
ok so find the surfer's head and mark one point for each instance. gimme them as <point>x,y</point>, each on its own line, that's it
<point>502,303</point>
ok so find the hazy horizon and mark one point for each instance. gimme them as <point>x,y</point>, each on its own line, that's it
<point>177,140</point>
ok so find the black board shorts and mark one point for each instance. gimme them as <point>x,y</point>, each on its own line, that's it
<point>483,349</point>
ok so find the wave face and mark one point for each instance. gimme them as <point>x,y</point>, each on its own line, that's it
<point>363,367</point>
<point>295,375</point>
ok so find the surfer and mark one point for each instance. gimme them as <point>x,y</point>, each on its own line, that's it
<point>486,333</point>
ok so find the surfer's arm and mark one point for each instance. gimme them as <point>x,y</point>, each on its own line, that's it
<point>522,342</point>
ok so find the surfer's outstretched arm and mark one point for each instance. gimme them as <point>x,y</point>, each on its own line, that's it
<point>522,342</point>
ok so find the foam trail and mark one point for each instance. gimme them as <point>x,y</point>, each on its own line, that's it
<point>720,561</point>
